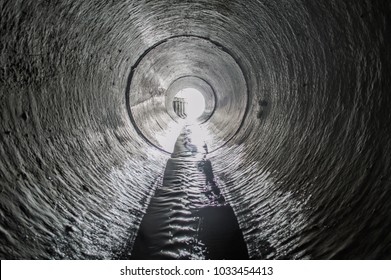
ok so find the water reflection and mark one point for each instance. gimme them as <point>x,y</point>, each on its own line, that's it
<point>188,217</point>
<point>168,137</point>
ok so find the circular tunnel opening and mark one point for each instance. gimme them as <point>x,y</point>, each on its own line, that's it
<point>180,63</point>
<point>190,98</point>
<point>189,104</point>
<point>296,109</point>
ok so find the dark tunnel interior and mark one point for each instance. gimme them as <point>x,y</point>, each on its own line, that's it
<point>295,132</point>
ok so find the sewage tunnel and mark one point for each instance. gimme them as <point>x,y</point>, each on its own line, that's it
<point>297,122</point>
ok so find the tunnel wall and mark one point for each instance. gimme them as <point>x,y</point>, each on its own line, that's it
<point>72,166</point>
<point>307,173</point>
<point>317,180</point>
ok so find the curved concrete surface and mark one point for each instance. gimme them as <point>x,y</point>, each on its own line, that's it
<point>299,137</point>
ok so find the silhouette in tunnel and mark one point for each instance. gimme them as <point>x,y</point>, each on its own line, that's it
<point>188,217</point>
<point>211,188</point>
<point>296,121</point>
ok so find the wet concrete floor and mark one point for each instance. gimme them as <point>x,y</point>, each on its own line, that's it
<point>188,217</point>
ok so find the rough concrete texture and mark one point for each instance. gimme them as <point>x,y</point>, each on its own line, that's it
<point>301,125</point>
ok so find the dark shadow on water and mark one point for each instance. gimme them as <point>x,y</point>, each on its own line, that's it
<point>216,232</point>
<point>188,217</point>
<point>211,189</point>
<point>220,232</point>
<point>219,228</point>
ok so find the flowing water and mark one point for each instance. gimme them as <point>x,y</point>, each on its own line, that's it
<point>188,217</point>
<point>299,129</point>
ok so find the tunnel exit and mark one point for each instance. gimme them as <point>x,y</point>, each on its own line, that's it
<point>189,104</point>
<point>296,115</point>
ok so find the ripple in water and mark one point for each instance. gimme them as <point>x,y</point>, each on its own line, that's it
<point>188,217</point>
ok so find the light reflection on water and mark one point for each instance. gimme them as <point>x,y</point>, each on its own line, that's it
<point>198,134</point>
<point>188,217</point>
<point>167,138</point>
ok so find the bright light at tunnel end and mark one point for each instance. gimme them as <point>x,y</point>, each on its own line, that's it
<point>194,103</point>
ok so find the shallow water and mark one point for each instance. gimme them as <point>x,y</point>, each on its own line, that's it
<point>299,133</point>
<point>188,217</point>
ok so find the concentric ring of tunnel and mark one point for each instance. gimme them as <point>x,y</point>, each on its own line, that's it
<point>193,83</point>
<point>178,63</point>
<point>299,138</point>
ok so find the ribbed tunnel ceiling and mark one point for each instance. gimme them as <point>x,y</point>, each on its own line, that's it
<point>302,121</point>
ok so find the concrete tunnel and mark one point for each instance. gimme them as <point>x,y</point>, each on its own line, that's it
<point>297,116</point>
